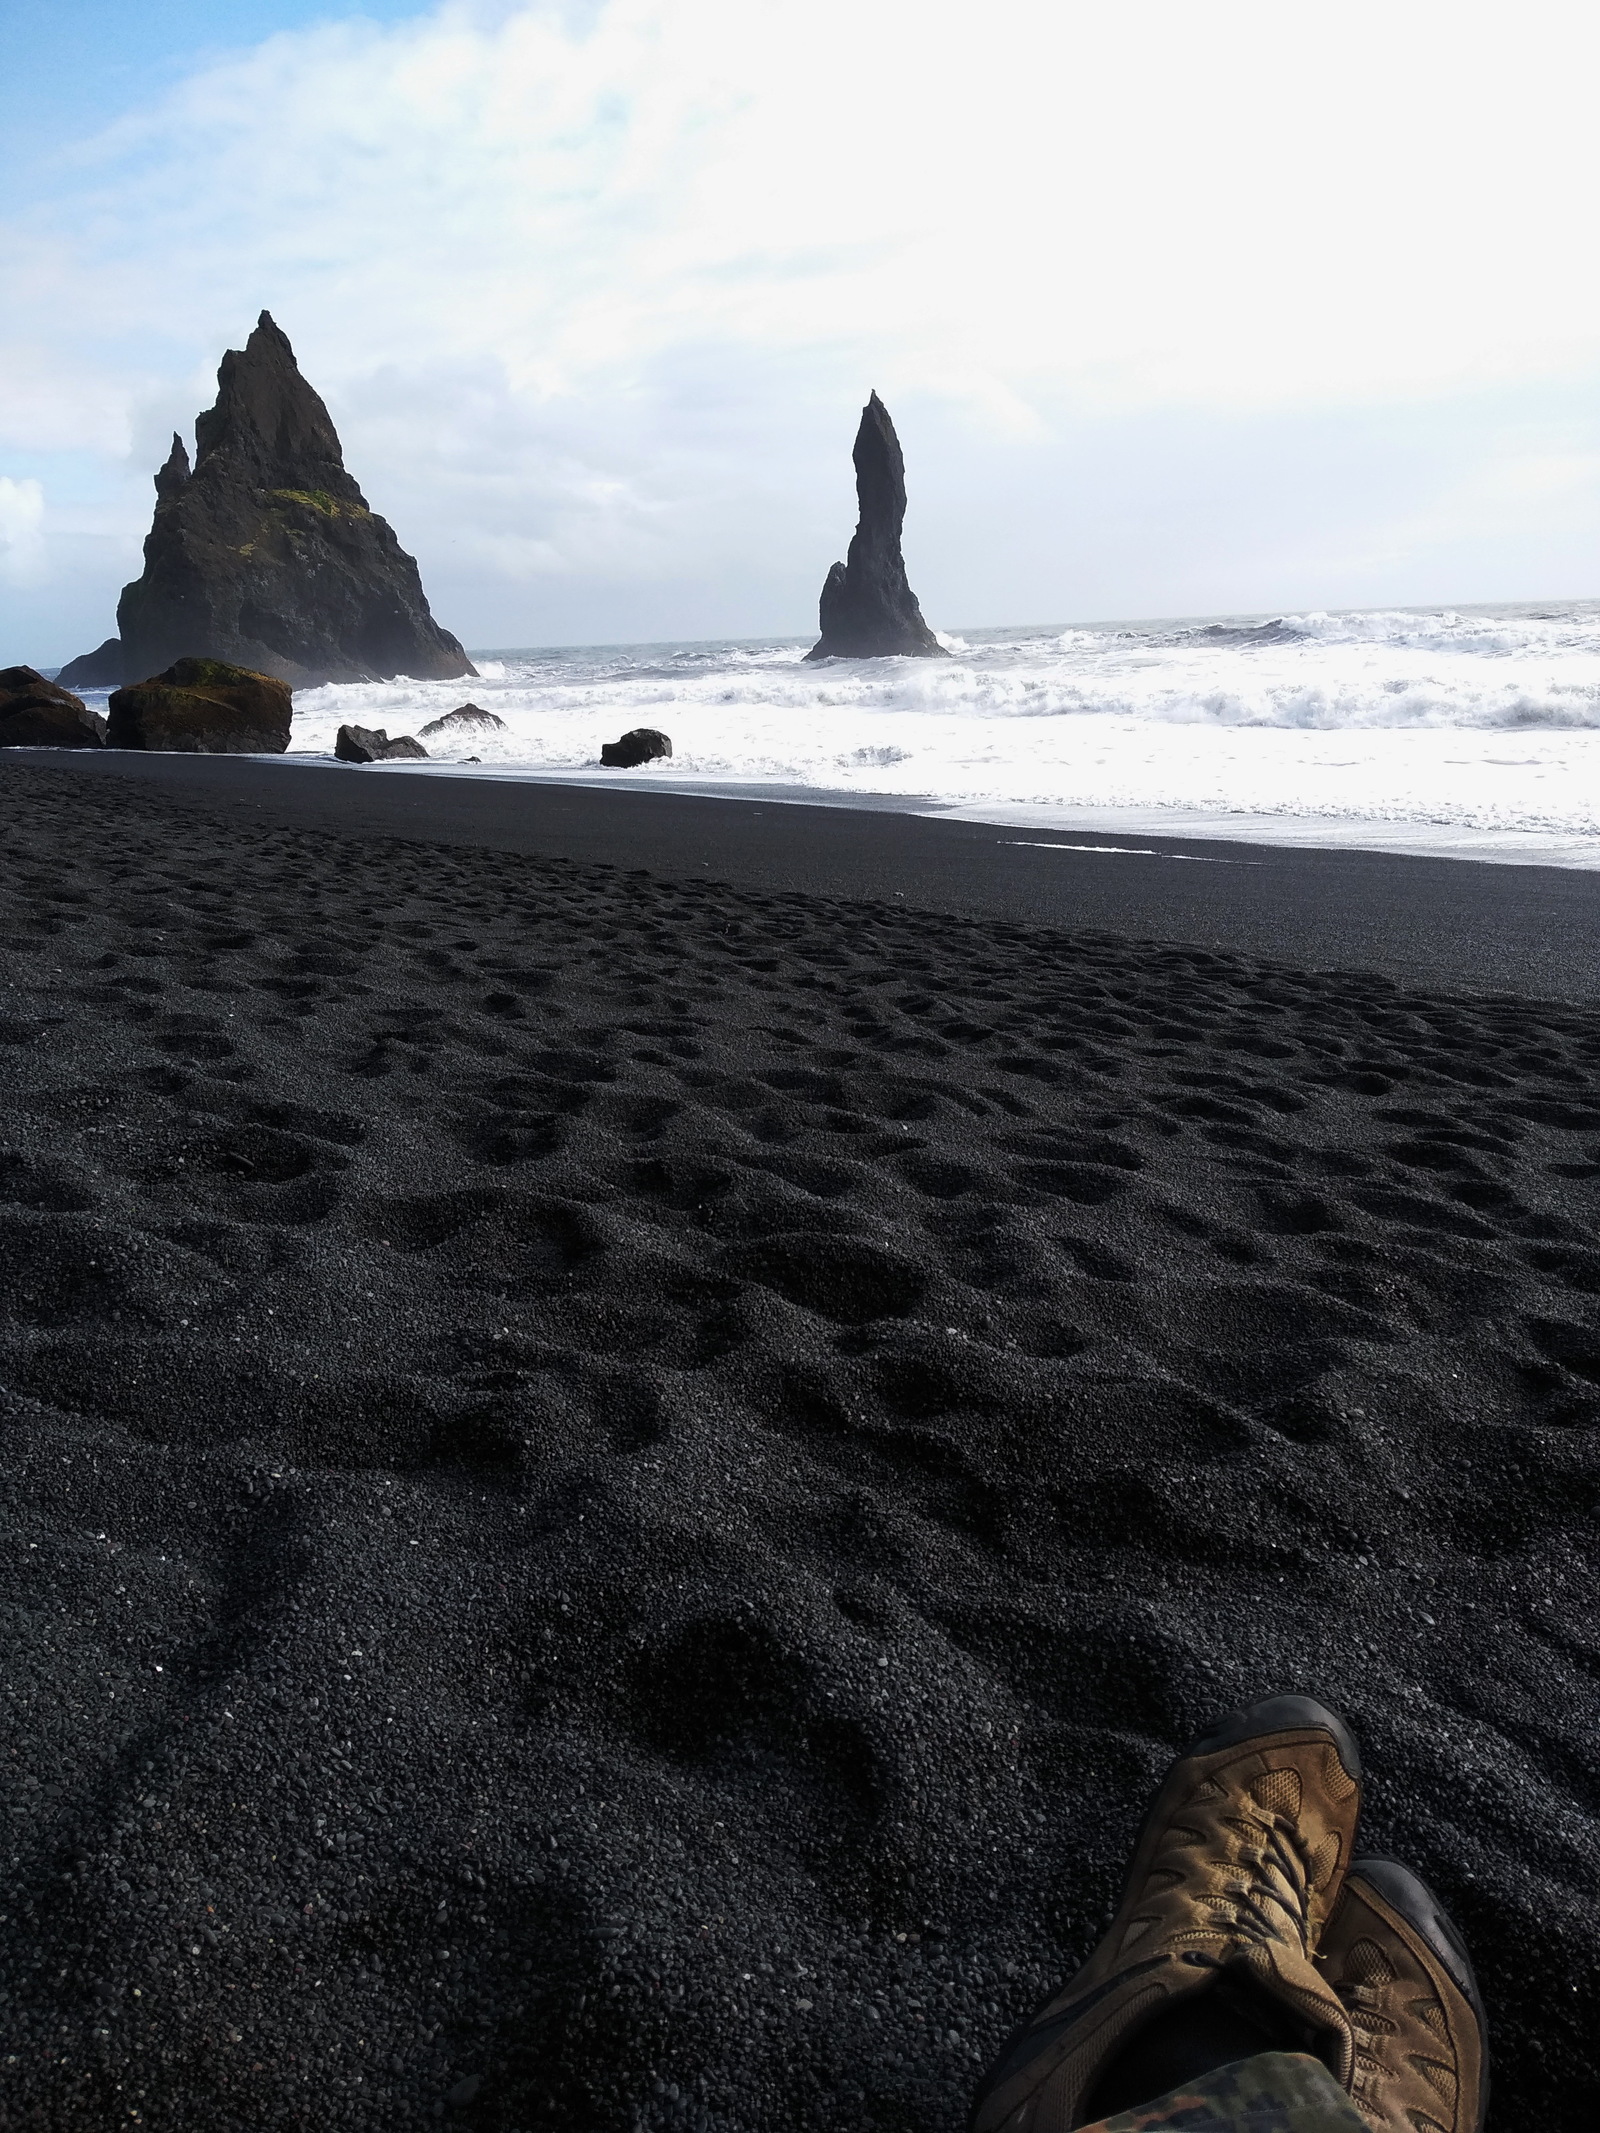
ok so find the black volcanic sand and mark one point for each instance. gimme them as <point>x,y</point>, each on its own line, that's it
<point>614,1490</point>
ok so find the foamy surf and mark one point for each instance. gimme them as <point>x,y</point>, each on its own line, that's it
<point>1473,732</point>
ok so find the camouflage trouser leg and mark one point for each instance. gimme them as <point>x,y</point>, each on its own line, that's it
<point>1278,2092</point>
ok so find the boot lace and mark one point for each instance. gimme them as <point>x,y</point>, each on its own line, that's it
<point>1260,1896</point>
<point>1272,1895</point>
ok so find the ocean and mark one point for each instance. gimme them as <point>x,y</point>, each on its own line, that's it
<point>1470,731</point>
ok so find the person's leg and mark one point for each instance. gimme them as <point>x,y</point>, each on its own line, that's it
<point>1274,2092</point>
<point>1199,2034</point>
<point>1240,1862</point>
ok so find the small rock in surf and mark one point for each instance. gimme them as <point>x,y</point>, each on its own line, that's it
<point>371,744</point>
<point>465,719</point>
<point>643,744</point>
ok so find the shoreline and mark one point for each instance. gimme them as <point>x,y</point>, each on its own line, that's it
<point>1286,832</point>
<point>1416,919</point>
<point>1469,734</point>
<point>1394,835</point>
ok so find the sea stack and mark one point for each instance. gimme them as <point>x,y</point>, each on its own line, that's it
<point>868,610</point>
<point>265,553</point>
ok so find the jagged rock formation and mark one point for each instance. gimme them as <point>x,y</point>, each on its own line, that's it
<point>641,744</point>
<point>371,744</point>
<point>99,669</point>
<point>35,713</point>
<point>266,555</point>
<point>868,610</point>
<point>202,707</point>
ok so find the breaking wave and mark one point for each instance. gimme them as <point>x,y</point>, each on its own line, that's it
<point>1483,718</point>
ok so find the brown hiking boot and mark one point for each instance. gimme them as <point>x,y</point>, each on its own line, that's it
<point>1396,1961</point>
<point>1238,1866</point>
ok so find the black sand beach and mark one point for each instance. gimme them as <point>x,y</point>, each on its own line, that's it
<point>617,1482</point>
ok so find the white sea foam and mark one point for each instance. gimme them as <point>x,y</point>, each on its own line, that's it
<point>1476,730</point>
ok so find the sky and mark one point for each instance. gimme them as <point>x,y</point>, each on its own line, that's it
<point>1179,310</point>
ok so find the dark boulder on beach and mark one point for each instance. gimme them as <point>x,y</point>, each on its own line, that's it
<point>203,707</point>
<point>642,744</point>
<point>39,722</point>
<point>26,681</point>
<point>35,713</point>
<point>369,744</point>
<point>868,610</point>
<point>266,553</point>
<point>467,718</point>
<point>99,669</point>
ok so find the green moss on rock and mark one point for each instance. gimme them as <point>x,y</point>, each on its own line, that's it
<point>317,500</point>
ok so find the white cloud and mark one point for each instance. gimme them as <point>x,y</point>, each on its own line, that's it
<point>21,528</point>
<point>1156,200</point>
<point>594,293</point>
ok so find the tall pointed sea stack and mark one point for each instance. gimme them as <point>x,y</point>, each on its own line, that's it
<point>868,610</point>
<point>266,555</point>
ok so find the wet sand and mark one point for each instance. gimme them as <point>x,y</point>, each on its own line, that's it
<point>632,1427</point>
